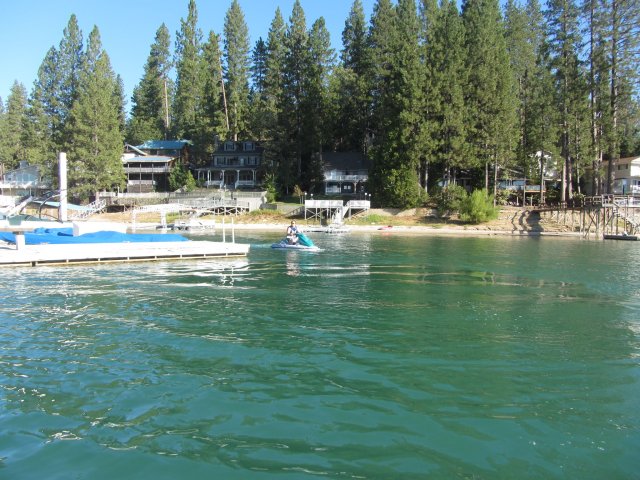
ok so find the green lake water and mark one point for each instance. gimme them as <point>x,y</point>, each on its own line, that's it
<point>381,357</point>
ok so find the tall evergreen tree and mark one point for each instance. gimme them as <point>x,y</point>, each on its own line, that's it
<point>622,22</point>
<point>257,96</point>
<point>490,97</point>
<point>296,61</point>
<point>394,177</point>
<point>352,98</point>
<point>151,100</point>
<point>12,123</point>
<point>273,100</point>
<point>70,59</point>
<point>95,136</point>
<point>189,84</point>
<point>237,59</point>
<point>564,40</point>
<point>37,136</point>
<point>56,86</point>
<point>316,120</point>
<point>212,122</point>
<point>447,74</point>
<point>523,43</point>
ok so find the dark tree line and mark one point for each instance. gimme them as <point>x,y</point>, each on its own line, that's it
<point>428,91</point>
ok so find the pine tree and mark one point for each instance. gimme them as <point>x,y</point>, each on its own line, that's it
<point>189,84</point>
<point>257,96</point>
<point>564,39</point>
<point>523,42</point>
<point>46,99</point>
<point>273,103</point>
<point>37,137</point>
<point>398,103</point>
<point>447,74</point>
<point>296,60</point>
<point>351,92</point>
<point>236,53</point>
<point>316,119</point>
<point>490,98</point>
<point>622,26</point>
<point>95,136</point>
<point>212,123</point>
<point>150,111</point>
<point>12,123</point>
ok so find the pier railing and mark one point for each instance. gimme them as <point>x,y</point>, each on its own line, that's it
<point>598,215</point>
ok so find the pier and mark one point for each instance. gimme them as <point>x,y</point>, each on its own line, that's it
<point>68,254</point>
<point>609,216</point>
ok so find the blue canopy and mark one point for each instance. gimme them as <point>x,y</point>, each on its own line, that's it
<point>60,236</point>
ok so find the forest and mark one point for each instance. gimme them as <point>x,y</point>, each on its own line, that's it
<point>431,91</point>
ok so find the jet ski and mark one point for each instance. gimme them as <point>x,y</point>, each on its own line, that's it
<point>304,243</point>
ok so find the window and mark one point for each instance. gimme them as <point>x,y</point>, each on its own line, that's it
<point>229,146</point>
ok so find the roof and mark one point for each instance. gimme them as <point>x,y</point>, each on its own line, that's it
<point>345,161</point>
<point>148,159</point>
<point>164,144</point>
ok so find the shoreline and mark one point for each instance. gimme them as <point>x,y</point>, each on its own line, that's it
<point>381,229</point>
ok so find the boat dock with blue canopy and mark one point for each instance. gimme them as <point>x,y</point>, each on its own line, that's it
<point>61,247</point>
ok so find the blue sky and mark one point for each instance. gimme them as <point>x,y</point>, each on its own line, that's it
<point>28,28</point>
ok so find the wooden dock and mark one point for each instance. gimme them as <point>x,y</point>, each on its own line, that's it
<point>71,254</point>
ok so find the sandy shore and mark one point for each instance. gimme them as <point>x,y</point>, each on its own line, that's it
<point>511,222</point>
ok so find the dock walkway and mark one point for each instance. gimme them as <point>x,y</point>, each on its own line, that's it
<point>66,254</point>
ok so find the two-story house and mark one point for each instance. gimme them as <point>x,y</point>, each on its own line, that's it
<point>345,173</point>
<point>233,165</point>
<point>627,176</point>
<point>147,166</point>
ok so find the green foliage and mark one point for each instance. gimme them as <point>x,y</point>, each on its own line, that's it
<point>503,196</point>
<point>12,147</point>
<point>93,126</point>
<point>236,53</point>
<point>396,188</point>
<point>150,110</point>
<point>373,218</point>
<point>271,187</point>
<point>478,207</point>
<point>180,177</point>
<point>448,199</point>
<point>189,82</point>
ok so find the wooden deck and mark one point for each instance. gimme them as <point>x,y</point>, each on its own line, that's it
<point>36,255</point>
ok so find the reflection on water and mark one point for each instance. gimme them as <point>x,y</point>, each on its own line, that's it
<point>380,357</point>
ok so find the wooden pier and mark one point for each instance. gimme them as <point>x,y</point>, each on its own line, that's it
<point>605,216</point>
<point>70,254</point>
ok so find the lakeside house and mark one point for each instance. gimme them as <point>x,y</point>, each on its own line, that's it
<point>627,176</point>
<point>233,165</point>
<point>147,166</point>
<point>345,173</point>
<point>25,180</point>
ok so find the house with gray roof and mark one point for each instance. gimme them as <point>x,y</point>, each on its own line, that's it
<point>345,173</point>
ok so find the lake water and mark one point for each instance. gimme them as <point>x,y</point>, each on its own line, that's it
<point>381,357</point>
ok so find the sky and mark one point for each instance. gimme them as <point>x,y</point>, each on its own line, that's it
<point>29,28</point>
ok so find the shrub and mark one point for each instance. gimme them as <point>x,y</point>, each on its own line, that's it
<point>448,199</point>
<point>271,187</point>
<point>478,207</point>
<point>180,177</point>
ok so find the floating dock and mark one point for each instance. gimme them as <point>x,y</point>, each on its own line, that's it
<point>70,254</point>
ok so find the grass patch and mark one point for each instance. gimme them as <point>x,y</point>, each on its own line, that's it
<point>373,218</point>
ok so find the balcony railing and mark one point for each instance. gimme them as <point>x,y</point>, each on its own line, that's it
<point>332,177</point>
<point>134,170</point>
